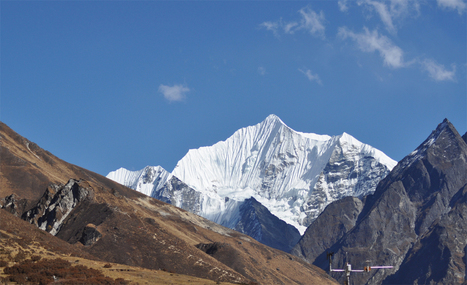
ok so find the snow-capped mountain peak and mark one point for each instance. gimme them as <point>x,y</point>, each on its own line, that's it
<point>347,140</point>
<point>293,174</point>
<point>282,168</point>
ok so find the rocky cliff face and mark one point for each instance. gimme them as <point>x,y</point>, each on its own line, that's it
<point>334,222</point>
<point>13,204</point>
<point>439,255</point>
<point>158,183</point>
<point>177,193</point>
<point>56,204</point>
<point>411,221</point>
<point>69,212</point>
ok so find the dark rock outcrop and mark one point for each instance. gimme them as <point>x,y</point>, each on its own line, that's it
<point>335,221</point>
<point>56,204</point>
<point>90,235</point>
<point>414,221</point>
<point>13,204</point>
<point>258,222</point>
<point>69,212</point>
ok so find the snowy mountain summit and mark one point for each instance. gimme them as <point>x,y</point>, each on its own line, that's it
<point>294,175</point>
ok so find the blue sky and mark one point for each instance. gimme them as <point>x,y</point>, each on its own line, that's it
<point>109,84</point>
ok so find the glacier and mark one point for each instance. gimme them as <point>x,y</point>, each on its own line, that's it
<point>294,175</point>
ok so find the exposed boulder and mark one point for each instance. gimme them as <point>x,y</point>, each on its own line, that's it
<point>90,235</point>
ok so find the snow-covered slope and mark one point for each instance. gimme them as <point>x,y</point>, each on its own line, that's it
<point>294,175</point>
<point>147,180</point>
<point>158,183</point>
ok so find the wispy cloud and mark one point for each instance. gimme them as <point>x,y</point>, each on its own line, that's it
<point>437,71</point>
<point>343,5</point>
<point>289,28</point>
<point>392,10</point>
<point>309,21</point>
<point>272,26</point>
<point>311,76</point>
<point>371,41</point>
<point>384,14</point>
<point>312,22</point>
<point>261,70</point>
<point>174,93</point>
<point>458,5</point>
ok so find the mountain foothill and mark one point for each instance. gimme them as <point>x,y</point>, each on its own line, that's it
<point>269,205</point>
<point>55,210</point>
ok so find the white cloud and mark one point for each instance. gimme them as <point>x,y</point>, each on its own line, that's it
<point>384,14</point>
<point>271,26</point>
<point>309,21</point>
<point>311,76</point>
<point>403,8</point>
<point>343,5</point>
<point>392,11</point>
<point>174,93</point>
<point>393,55</point>
<point>261,70</point>
<point>458,5</point>
<point>289,27</point>
<point>437,71</point>
<point>371,41</point>
<point>312,21</point>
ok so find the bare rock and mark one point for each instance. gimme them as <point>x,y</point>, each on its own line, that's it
<point>56,204</point>
<point>90,235</point>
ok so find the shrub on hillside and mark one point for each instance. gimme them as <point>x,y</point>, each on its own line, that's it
<point>46,270</point>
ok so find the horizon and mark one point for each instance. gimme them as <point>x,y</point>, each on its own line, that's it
<point>105,85</point>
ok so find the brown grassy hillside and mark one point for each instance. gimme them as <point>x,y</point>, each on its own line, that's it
<point>133,230</point>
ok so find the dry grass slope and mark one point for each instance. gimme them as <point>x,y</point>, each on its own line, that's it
<point>138,235</point>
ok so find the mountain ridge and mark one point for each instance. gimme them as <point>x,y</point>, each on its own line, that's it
<point>413,221</point>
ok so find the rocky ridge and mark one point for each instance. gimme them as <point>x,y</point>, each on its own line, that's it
<point>413,221</point>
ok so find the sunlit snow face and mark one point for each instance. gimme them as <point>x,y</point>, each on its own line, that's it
<point>282,169</point>
<point>294,175</point>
